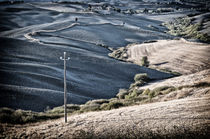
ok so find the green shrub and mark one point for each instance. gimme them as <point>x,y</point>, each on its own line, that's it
<point>144,61</point>
<point>162,88</point>
<point>141,77</point>
<point>6,110</point>
<point>11,116</point>
<point>118,10</point>
<point>151,94</point>
<point>122,93</point>
<point>70,109</point>
<point>93,105</point>
<point>90,107</point>
<point>111,105</point>
<point>159,91</point>
<point>171,72</point>
<point>136,84</point>
<point>139,83</point>
<point>56,110</point>
<point>169,90</point>
<point>133,100</point>
<point>203,37</point>
<point>135,93</point>
<point>97,101</point>
<point>128,97</point>
<point>132,86</point>
<point>146,92</point>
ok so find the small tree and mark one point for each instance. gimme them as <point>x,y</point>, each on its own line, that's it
<point>145,10</point>
<point>144,61</point>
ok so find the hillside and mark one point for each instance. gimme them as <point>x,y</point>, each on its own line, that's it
<point>180,56</point>
<point>112,93</point>
<point>186,118</point>
<point>184,112</point>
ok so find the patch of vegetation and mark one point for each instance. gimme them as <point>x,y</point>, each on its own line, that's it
<point>163,90</point>
<point>117,9</point>
<point>141,77</point>
<point>151,94</point>
<point>144,61</point>
<point>164,10</point>
<point>93,105</point>
<point>90,107</point>
<point>135,93</point>
<point>97,101</point>
<point>122,93</point>
<point>136,84</point>
<point>197,85</point>
<point>111,105</point>
<point>120,54</point>
<point>184,27</point>
<point>8,115</point>
<point>146,92</point>
<point>171,72</point>
<point>58,110</point>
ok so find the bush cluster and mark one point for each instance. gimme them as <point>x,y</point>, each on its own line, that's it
<point>184,27</point>
<point>8,115</point>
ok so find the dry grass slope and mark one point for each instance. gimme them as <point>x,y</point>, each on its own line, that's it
<point>185,118</point>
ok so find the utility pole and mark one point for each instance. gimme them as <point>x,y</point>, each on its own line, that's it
<point>65,90</point>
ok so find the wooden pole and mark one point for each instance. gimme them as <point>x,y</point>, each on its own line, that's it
<point>65,99</point>
<point>65,90</point>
